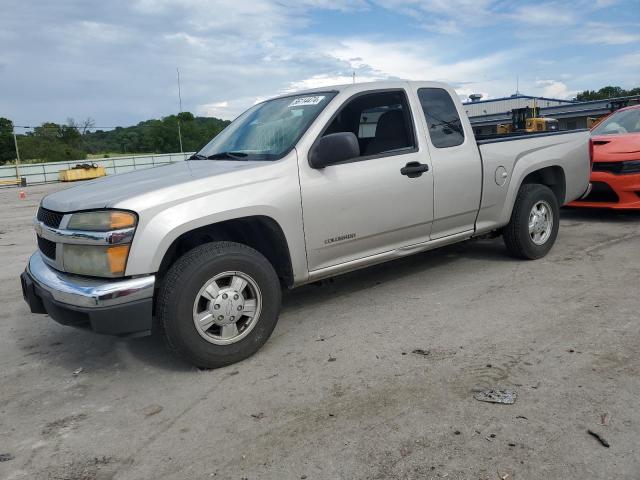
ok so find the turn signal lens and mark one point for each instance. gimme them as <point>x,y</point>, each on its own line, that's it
<point>122,220</point>
<point>117,257</point>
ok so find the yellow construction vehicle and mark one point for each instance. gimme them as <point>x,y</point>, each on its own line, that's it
<point>503,128</point>
<point>541,124</point>
<point>526,120</point>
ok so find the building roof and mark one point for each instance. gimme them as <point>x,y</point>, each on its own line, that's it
<point>572,109</point>
<point>517,96</point>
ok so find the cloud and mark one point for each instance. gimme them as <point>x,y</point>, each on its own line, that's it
<point>555,89</point>
<point>215,109</point>
<point>325,80</point>
<point>116,61</point>
<point>443,16</point>
<point>411,61</point>
<point>629,59</point>
<point>545,15</point>
<point>602,33</point>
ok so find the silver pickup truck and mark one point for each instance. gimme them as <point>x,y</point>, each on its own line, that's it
<point>298,188</point>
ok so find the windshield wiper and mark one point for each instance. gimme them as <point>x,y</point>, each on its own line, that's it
<point>231,155</point>
<point>197,156</point>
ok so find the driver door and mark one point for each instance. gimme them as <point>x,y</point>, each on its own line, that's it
<point>366,206</point>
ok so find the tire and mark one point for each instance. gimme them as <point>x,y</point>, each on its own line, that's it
<point>179,313</point>
<point>517,235</point>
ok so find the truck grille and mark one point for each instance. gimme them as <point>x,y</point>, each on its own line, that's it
<point>49,217</point>
<point>601,192</point>
<point>47,248</point>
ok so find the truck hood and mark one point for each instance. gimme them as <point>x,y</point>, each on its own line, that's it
<point>173,179</point>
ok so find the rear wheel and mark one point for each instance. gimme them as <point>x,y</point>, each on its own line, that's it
<point>534,223</point>
<point>218,304</point>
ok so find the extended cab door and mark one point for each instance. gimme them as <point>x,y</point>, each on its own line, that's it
<point>457,166</point>
<point>366,205</point>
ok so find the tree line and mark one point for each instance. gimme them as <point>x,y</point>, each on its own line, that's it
<point>51,142</point>
<point>606,92</point>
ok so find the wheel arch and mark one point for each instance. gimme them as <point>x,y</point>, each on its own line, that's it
<point>260,232</point>
<point>552,177</point>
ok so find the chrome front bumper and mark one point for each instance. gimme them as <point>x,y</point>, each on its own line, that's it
<point>88,292</point>
<point>114,307</point>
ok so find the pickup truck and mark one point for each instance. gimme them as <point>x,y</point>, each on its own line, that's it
<point>297,189</point>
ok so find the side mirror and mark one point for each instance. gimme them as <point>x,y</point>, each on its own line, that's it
<point>334,148</point>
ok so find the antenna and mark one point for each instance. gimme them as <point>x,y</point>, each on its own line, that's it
<point>180,110</point>
<point>179,92</point>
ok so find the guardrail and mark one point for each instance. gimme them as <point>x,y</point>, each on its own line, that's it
<point>36,173</point>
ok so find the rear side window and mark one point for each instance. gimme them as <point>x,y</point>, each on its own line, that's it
<point>443,121</point>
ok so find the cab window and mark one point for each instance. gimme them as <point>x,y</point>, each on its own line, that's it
<point>443,121</point>
<point>380,120</point>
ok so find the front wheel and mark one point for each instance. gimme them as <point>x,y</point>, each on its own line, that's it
<point>218,304</point>
<point>534,223</point>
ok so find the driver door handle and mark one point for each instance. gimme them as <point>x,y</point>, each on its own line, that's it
<point>414,169</point>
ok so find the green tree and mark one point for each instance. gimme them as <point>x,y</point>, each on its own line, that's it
<point>7,147</point>
<point>606,92</point>
<point>51,142</point>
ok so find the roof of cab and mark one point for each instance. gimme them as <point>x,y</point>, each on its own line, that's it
<point>364,86</point>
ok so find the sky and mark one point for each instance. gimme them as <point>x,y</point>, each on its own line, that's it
<point>115,61</point>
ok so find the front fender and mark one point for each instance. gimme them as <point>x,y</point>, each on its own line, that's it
<point>276,197</point>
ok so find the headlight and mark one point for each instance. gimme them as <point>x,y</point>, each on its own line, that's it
<point>102,220</point>
<point>104,254</point>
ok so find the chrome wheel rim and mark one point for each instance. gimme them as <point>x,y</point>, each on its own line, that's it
<point>540,222</point>
<point>227,308</point>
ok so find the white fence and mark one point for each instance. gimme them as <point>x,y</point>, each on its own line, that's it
<point>48,172</point>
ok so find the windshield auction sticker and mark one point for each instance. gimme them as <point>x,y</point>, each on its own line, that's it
<point>302,101</point>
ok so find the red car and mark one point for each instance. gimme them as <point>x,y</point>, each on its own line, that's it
<point>615,175</point>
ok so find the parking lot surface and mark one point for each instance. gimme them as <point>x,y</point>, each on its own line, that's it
<point>338,392</point>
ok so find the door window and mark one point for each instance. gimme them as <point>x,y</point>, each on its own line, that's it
<point>443,121</point>
<point>381,121</point>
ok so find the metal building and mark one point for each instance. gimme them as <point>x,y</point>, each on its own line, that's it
<point>506,104</point>
<point>485,115</point>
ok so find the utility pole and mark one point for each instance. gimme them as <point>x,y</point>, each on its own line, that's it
<point>15,141</point>
<point>180,110</point>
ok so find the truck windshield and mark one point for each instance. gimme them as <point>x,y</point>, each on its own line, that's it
<point>624,121</point>
<point>268,130</point>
